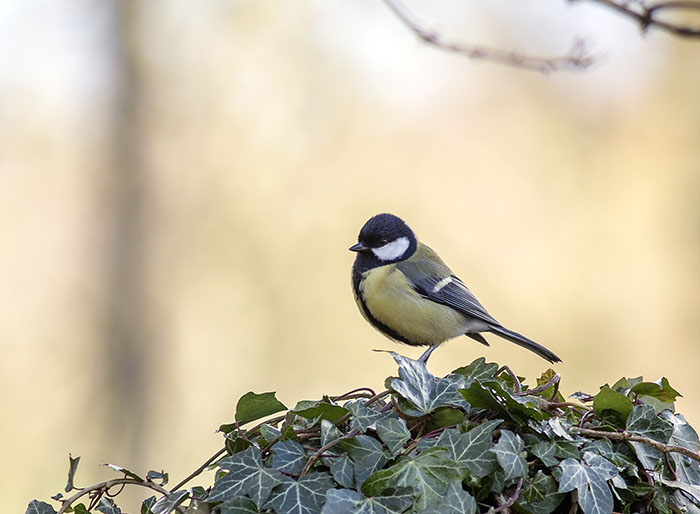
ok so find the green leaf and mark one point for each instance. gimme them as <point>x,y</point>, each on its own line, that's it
<point>323,410</point>
<point>644,421</point>
<point>303,496</point>
<point>540,495</point>
<point>364,416</point>
<point>507,452</point>
<point>424,391</point>
<point>493,395</point>
<point>589,478</point>
<point>288,457</point>
<point>608,401</point>
<point>444,417</point>
<point>346,501</point>
<point>329,432</point>
<point>687,470</point>
<point>152,476</point>
<point>147,505</point>
<point>240,505</point>
<point>478,370</point>
<point>545,451</point>
<point>394,434</point>
<point>170,502</point>
<point>547,393</point>
<point>660,389</point>
<point>245,476</point>
<point>455,501</point>
<point>107,506</point>
<point>428,473</point>
<point>254,406</point>
<point>470,451</point>
<point>367,455</point>
<point>72,468</point>
<point>343,471</point>
<point>129,474</point>
<point>38,507</point>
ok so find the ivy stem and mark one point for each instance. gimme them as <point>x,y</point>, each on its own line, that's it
<point>626,436</point>
<point>102,487</point>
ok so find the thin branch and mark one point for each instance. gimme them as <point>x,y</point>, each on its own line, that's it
<point>644,14</point>
<point>578,57</point>
<point>102,487</point>
<point>199,469</point>
<point>507,504</point>
<point>626,436</point>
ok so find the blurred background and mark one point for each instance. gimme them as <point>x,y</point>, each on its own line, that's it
<point>180,182</point>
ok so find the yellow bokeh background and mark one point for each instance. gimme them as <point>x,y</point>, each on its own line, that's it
<point>189,175</point>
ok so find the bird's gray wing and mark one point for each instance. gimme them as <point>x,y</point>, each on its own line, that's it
<point>434,281</point>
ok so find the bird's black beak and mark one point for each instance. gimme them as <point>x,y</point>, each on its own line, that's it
<point>357,247</point>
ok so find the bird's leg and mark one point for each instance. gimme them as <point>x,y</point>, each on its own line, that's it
<point>424,358</point>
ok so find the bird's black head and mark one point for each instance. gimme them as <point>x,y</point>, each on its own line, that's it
<point>385,238</point>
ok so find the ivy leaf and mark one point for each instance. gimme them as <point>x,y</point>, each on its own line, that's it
<point>147,505</point>
<point>72,468</point>
<point>240,505</point>
<point>288,457</point>
<point>252,406</point>
<point>367,455</point>
<point>329,432</point>
<point>545,451</point>
<point>170,502</point>
<point>424,391</point>
<point>38,507</point>
<point>126,472</point>
<point>107,506</point>
<point>660,389</point>
<point>589,478</point>
<point>540,495</point>
<point>323,410</point>
<point>428,473</point>
<point>303,496</point>
<point>364,416</point>
<point>393,433</point>
<point>478,370</point>
<point>644,421</point>
<point>507,452</point>
<point>470,450</point>
<point>245,476</point>
<point>493,395</point>
<point>608,401</point>
<point>157,475</point>
<point>456,501</point>
<point>346,501</point>
<point>343,470</point>
<point>687,469</point>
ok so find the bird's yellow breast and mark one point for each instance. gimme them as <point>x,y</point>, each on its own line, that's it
<point>392,301</point>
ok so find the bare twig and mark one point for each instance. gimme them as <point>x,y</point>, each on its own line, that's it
<point>626,436</point>
<point>645,14</point>
<point>102,487</point>
<point>577,58</point>
<point>513,497</point>
<point>516,382</point>
<point>553,381</point>
<point>199,469</point>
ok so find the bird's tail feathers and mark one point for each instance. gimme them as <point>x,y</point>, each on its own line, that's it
<point>523,341</point>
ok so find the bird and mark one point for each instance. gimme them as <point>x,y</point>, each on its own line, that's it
<point>403,289</point>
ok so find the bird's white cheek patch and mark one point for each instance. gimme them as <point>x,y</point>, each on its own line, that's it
<point>393,250</point>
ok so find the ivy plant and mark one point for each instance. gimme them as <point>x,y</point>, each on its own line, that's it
<point>479,440</point>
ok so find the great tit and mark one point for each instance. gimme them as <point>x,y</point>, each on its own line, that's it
<point>405,291</point>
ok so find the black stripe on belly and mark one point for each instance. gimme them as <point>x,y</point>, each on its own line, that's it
<point>356,279</point>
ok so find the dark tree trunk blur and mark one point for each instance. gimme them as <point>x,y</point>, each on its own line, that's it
<point>127,338</point>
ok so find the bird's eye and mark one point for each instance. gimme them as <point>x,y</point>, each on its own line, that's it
<point>383,241</point>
